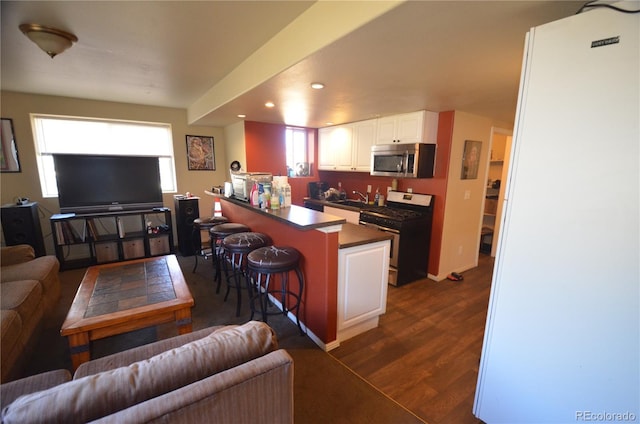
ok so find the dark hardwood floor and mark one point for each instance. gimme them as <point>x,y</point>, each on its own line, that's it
<point>425,353</point>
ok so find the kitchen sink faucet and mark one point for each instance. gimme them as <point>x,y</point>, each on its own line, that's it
<point>363,196</point>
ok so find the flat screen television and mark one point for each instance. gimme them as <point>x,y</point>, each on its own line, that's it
<point>96,183</point>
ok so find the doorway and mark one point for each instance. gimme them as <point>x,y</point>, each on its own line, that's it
<point>498,169</point>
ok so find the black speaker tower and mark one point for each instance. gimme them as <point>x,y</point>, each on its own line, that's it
<point>187,210</point>
<point>21,225</point>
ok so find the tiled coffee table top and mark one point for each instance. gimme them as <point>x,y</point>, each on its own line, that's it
<point>130,286</point>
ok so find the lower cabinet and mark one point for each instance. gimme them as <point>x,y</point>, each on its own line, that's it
<point>363,274</point>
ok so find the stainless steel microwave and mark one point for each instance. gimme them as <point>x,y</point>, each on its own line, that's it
<point>403,160</point>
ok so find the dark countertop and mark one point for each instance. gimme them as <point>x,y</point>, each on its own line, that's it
<point>335,204</point>
<point>302,218</point>
<point>306,219</point>
<point>355,235</point>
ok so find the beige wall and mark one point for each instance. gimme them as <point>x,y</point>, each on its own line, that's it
<point>18,106</point>
<point>463,216</point>
<point>235,146</point>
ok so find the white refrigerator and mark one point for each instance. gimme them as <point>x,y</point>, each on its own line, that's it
<point>562,338</point>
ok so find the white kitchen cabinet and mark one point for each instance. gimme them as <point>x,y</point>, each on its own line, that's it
<point>346,147</point>
<point>364,136</point>
<point>351,216</point>
<point>334,147</point>
<point>408,128</point>
<point>363,273</point>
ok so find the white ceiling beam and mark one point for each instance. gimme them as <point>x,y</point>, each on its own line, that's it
<point>320,25</point>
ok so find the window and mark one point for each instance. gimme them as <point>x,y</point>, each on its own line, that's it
<point>65,134</point>
<point>297,158</point>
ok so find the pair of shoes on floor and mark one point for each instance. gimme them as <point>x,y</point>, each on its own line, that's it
<point>454,276</point>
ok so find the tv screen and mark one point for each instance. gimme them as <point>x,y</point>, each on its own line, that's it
<point>96,183</point>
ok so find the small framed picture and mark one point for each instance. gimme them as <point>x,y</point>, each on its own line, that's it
<point>200,153</point>
<point>470,160</point>
<point>9,161</point>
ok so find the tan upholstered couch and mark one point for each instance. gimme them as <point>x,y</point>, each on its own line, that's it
<point>30,290</point>
<point>232,374</point>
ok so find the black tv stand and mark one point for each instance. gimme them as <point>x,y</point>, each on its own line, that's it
<point>83,240</point>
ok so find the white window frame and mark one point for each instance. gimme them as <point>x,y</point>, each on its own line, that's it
<point>101,136</point>
<point>291,147</point>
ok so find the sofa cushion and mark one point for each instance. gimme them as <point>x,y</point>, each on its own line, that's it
<point>37,269</point>
<point>43,381</point>
<point>10,255</point>
<point>22,296</point>
<point>102,394</point>
<point>140,353</point>
<point>11,329</point>
<point>44,269</point>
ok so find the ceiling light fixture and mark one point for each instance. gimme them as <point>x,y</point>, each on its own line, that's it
<point>51,40</point>
<point>242,116</point>
<point>317,85</point>
<point>269,104</point>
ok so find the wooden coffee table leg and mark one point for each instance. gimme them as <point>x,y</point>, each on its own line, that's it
<point>183,320</point>
<point>79,349</point>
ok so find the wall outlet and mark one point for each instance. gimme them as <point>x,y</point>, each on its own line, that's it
<point>467,194</point>
<point>460,250</point>
<point>369,188</point>
<point>409,190</point>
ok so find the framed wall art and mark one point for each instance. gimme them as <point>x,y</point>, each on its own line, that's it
<point>9,161</point>
<point>470,160</point>
<point>200,153</point>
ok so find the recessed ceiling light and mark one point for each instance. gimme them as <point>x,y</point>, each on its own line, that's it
<point>242,116</point>
<point>269,104</point>
<point>317,85</point>
<point>328,123</point>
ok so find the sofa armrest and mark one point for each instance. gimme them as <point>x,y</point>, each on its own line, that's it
<point>11,255</point>
<point>11,391</point>
<point>256,392</point>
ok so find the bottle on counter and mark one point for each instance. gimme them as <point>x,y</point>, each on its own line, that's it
<point>275,197</point>
<point>287,195</point>
<point>254,195</point>
<point>376,198</point>
<point>341,193</point>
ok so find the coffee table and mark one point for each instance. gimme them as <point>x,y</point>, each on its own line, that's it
<point>120,297</point>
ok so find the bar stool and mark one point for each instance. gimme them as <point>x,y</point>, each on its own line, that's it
<point>273,260</point>
<point>218,233</point>
<point>236,247</point>
<point>201,224</point>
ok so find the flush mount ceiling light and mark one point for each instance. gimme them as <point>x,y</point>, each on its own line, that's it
<point>269,104</point>
<point>317,85</point>
<point>51,40</point>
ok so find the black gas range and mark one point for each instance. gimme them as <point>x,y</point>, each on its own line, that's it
<point>408,217</point>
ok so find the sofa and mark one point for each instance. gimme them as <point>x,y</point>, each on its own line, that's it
<point>229,374</point>
<point>29,293</point>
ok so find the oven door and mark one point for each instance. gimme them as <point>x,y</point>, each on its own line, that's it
<point>395,241</point>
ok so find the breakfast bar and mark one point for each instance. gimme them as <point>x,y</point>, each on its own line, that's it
<point>332,251</point>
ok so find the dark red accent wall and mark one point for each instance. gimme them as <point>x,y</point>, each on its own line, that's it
<point>265,147</point>
<point>266,150</point>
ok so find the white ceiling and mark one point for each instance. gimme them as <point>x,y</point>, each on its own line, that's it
<point>221,58</point>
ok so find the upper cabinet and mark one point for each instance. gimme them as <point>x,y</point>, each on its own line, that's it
<point>408,128</point>
<point>346,147</point>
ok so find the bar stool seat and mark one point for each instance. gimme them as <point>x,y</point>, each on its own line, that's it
<point>218,233</point>
<point>264,262</point>
<point>236,247</point>
<point>202,224</point>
